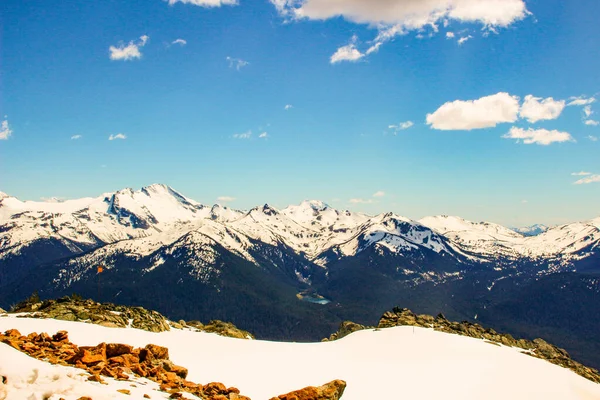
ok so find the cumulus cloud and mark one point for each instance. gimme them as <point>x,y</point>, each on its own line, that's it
<point>237,63</point>
<point>485,112</point>
<point>288,107</point>
<point>263,135</point>
<point>591,122</point>
<point>361,201</point>
<point>225,199</point>
<point>5,130</point>
<point>245,135</point>
<point>128,51</point>
<point>588,180</point>
<point>450,35</point>
<point>347,53</point>
<point>379,194</point>
<point>542,137</point>
<point>535,109</point>
<point>581,173</point>
<point>206,3</point>
<point>398,17</point>
<point>118,136</point>
<point>593,138</point>
<point>75,137</point>
<point>181,42</point>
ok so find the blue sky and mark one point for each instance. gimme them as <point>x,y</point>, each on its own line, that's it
<point>456,74</point>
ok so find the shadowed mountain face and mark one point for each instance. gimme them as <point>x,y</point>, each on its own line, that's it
<point>165,251</point>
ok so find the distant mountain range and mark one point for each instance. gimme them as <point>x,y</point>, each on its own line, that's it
<point>163,250</point>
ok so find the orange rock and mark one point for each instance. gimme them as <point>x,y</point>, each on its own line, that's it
<point>124,391</point>
<point>60,336</point>
<point>117,349</point>
<point>214,388</point>
<point>179,371</point>
<point>159,352</point>
<point>330,391</point>
<point>96,378</point>
<point>12,333</point>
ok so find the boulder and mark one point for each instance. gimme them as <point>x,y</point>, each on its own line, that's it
<point>330,391</point>
<point>346,328</point>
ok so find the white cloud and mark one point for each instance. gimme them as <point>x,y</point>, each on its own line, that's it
<point>593,138</point>
<point>225,199</point>
<point>412,14</point>
<point>206,3</point>
<point>401,126</point>
<point>181,42</point>
<point>399,17</point>
<point>542,137</point>
<point>75,137</point>
<point>5,130</point>
<point>263,135</point>
<point>245,135</point>
<point>347,53</point>
<point>485,112</point>
<point>117,136</point>
<point>128,51</point>
<point>361,201</point>
<point>450,35</point>
<point>589,179</point>
<point>535,110</point>
<point>237,63</point>
<point>591,122</point>
<point>464,39</point>
<point>587,111</point>
<point>288,107</point>
<point>581,101</point>
<point>582,173</point>
<point>379,194</point>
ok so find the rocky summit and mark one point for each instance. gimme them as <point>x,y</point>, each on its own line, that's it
<point>105,314</point>
<point>536,348</point>
<point>117,316</point>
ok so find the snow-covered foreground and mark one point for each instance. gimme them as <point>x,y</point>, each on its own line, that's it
<point>396,363</point>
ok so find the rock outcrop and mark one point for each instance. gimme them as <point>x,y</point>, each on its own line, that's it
<point>118,361</point>
<point>221,328</point>
<point>346,328</point>
<point>105,314</point>
<point>536,348</point>
<point>330,391</point>
<point>116,316</point>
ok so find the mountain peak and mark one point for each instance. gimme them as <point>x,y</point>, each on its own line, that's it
<point>316,205</point>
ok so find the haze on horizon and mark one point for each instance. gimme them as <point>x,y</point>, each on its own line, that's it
<point>444,107</point>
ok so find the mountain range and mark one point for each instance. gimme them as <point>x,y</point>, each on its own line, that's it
<point>295,273</point>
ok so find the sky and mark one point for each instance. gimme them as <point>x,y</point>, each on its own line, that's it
<point>485,109</point>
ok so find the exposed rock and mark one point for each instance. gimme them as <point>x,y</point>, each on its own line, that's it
<point>221,328</point>
<point>115,360</point>
<point>537,348</point>
<point>346,328</point>
<point>2,311</point>
<point>105,314</point>
<point>330,391</point>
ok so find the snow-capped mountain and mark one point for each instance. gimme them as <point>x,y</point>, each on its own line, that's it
<point>532,230</point>
<point>140,222</point>
<point>163,250</point>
